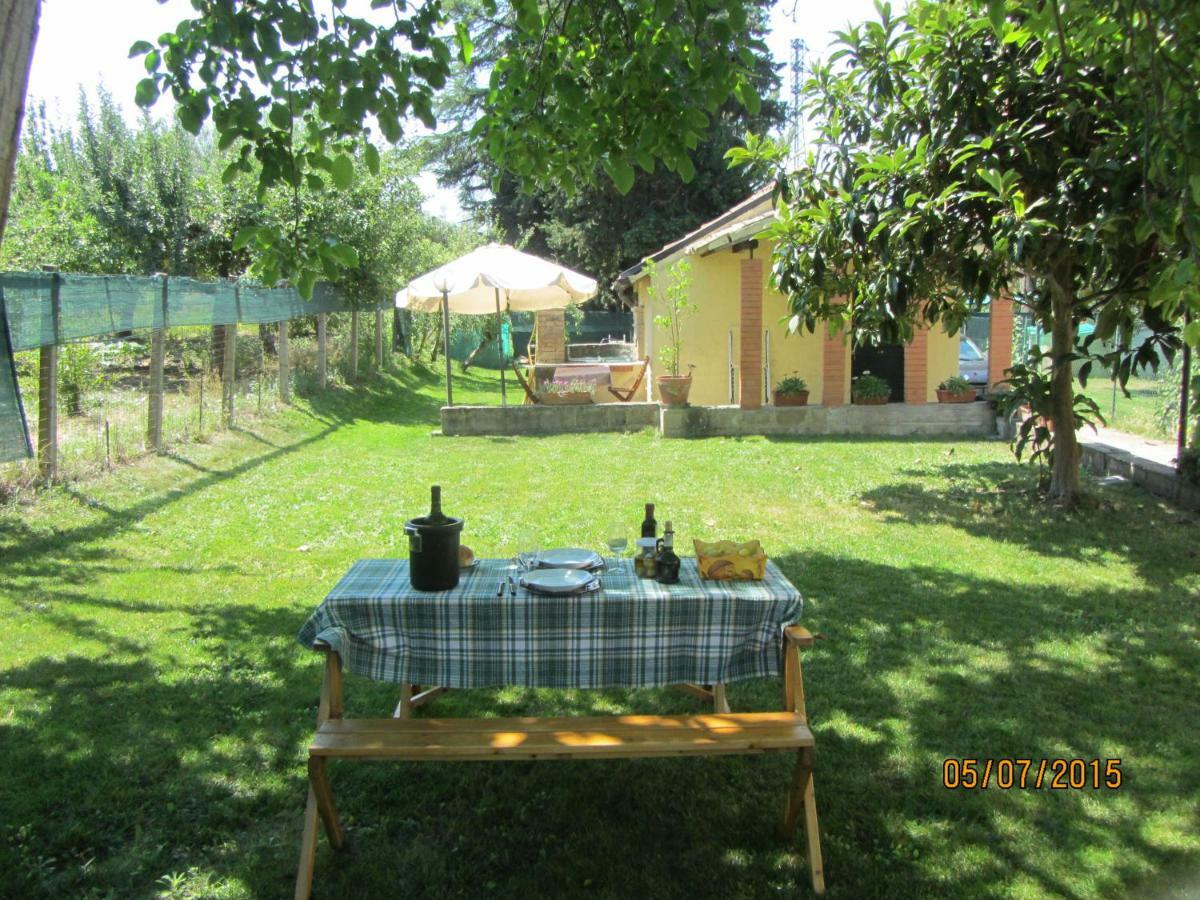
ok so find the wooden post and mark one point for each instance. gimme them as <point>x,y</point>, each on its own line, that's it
<point>379,340</point>
<point>500,344</point>
<point>321,355</point>
<point>446,347</point>
<point>157,360</point>
<point>281,347</point>
<point>48,391</point>
<point>354,345</point>
<point>227,373</point>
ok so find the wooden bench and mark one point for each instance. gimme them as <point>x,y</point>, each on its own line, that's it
<point>592,737</point>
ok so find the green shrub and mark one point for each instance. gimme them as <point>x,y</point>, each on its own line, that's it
<point>78,373</point>
<point>955,384</point>
<point>793,384</point>
<point>870,387</point>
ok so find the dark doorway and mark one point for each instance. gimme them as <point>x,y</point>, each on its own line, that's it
<point>885,361</point>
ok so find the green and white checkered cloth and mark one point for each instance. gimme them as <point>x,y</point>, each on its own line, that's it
<point>632,632</point>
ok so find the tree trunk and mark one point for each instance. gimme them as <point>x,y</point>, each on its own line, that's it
<point>1064,470</point>
<point>18,32</point>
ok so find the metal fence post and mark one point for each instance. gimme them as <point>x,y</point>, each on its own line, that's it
<point>379,340</point>
<point>48,388</point>
<point>228,384</point>
<point>281,348</point>
<point>321,354</point>
<point>157,359</point>
<point>354,345</point>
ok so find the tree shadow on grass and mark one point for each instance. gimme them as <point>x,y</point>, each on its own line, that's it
<point>924,665</point>
<point>999,501</point>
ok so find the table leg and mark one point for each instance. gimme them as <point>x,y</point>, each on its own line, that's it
<point>404,707</point>
<point>720,704</point>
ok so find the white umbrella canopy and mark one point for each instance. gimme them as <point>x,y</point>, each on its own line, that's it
<point>527,282</point>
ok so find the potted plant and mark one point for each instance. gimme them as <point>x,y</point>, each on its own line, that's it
<point>672,298</point>
<point>869,390</point>
<point>791,391</point>
<point>564,393</point>
<point>955,389</point>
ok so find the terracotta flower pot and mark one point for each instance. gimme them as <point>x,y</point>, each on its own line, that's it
<point>870,401</point>
<point>799,398</point>
<point>967,396</point>
<point>673,389</point>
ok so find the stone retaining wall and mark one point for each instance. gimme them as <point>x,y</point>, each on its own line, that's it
<point>539,419</point>
<point>1155,477</point>
<point>891,420</point>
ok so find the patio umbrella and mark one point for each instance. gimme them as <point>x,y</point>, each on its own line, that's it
<point>472,284</point>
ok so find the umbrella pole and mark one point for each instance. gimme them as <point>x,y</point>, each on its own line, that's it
<point>500,340</point>
<point>446,347</point>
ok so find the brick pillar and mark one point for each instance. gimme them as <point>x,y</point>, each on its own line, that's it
<point>551,336</point>
<point>916,367</point>
<point>1000,340</point>
<point>835,351</point>
<point>750,367</point>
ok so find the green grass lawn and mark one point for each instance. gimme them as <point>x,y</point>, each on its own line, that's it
<point>1136,414</point>
<point>155,703</point>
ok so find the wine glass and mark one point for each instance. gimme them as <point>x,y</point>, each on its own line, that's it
<point>528,559</point>
<point>617,546</point>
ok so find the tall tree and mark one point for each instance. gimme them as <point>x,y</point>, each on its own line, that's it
<point>593,226</point>
<point>969,145</point>
<point>580,86</point>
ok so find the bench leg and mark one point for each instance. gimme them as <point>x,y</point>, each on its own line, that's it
<point>318,779</point>
<point>720,704</point>
<point>308,849</point>
<point>801,796</point>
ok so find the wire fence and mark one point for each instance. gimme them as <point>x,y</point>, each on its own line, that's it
<point>94,403</point>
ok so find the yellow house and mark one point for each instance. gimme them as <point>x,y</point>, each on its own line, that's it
<point>736,343</point>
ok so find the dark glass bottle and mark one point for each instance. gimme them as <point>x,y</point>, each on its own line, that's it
<point>667,565</point>
<point>436,516</point>
<point>649,525</point>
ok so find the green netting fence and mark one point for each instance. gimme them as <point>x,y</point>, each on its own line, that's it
<point>40,309</point>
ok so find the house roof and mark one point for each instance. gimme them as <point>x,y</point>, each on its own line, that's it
<point>744,220</point>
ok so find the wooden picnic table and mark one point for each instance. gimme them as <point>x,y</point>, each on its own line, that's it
<point>632,632</point>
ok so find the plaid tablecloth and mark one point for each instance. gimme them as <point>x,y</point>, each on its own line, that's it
<point>632,632</point>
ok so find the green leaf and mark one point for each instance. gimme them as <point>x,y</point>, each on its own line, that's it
<point>306,283</point>
<point>190,118</point>
<point>281,117</point>
<point>1191,333</point>
<point>465,47</point>
<point>229,176</point>
<point>371,158</point>
<point>345,254</point>
<point>686,168</point>
<point>996,13</point>
<point>342,171</point>
<point>139,48</point>
<point>146,92</point>
<point>748,97</point>
<point>245,237</point>
<point>621,173</point>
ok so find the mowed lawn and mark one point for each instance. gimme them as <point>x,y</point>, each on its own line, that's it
<point>156,706</point>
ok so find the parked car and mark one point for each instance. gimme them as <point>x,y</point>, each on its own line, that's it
<point>972,364</point>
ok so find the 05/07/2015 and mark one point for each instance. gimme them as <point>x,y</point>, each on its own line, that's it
<point>968,774</point>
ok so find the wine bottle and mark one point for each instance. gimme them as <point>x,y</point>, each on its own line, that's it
<point>667,565</point>
<point>436,516</point>
<point>649,525</point>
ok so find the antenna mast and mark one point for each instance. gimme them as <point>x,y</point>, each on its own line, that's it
<point>799,142</point>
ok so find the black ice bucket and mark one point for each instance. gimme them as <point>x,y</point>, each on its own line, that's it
<point>433,552</point>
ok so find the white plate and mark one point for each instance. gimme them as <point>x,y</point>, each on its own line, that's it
<point>472,564</point>
<point>558,581</point>
<point>569,558</point>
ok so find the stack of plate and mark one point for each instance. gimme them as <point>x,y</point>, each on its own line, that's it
<point>570,558</point>
<point>560,581</point>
